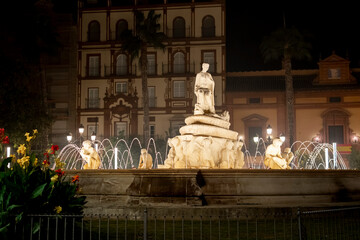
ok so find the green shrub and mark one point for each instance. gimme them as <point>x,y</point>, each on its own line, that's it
<point>354,158</point>
<point>29,186</point>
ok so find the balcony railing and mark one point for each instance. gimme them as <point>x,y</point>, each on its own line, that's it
<point>120,71</point>
<point>93,71</point>
<point>208,31</point>
<point>152,101</point>
<point>178,69</point>
<point>92,103</point>
<point>178,32</point>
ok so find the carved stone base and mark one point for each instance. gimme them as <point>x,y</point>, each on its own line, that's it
<point>205,142</point>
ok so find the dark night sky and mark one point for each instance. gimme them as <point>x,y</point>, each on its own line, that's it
<point>332,28</point>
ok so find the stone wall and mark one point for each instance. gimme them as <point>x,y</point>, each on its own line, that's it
<point>112,191</point>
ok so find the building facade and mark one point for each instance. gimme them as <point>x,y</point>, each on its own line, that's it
<point>327,103</point>
<point>60,74</point>
<point>109,98</point>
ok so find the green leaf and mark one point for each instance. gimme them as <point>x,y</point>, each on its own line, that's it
<point>14,206</point>
<point>4,229</point>
<point>38,191</point>
<point>36,227</point>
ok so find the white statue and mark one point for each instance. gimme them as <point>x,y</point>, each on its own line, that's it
<point>274,158</point>
<point>90,156</point>
<point>204,91</point>
<point>146,160</point>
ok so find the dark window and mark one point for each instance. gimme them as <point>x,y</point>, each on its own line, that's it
<point>94,32</point>
<point>336,134</point>
<point>120,27</point>
<point>208,27</point>
<point>335,99</point>
<point>254,100</point>
<point>179,28</point>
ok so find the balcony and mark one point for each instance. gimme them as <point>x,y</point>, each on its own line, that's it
<point>92,103</point>
<point>93,71</point>
<point>178,32</point>
<point>152,102</point>
<point>178,69</point>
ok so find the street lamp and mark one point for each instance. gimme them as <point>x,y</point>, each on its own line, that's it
<point>81,131</point>
<point>268,132</point>
<point>93,136</point>
<point>282,137</point>
<point>69,137</point>
<point>256,139</point>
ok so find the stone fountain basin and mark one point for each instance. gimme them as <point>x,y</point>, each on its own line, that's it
<point>109,191</point>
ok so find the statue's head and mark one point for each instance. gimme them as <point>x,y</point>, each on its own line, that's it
<point>86,144</point>
<point>205,66</point>
<point>143,151</point>
<point>277,141</point>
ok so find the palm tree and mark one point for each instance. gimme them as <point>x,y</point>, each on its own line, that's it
<point>286,44</point>
<point>136,44</point>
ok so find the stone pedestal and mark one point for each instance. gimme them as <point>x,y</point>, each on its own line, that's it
<point>205,142</point>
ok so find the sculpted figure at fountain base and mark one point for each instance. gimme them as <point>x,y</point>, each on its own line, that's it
<point>275,159</point>
<point>90,156</point>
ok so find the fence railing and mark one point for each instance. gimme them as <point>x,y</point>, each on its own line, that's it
<point>152,223</point>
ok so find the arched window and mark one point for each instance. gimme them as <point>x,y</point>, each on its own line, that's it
<point>208,26</point>
<point>94,31</point>
<point>121,65</point>
<point>179,27</point>
<point>121,25</point>
<point>179,62</point>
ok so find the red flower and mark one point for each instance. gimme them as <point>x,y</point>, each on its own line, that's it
<point>46,155</point>
<point>6,140</point>
<point>60,173</point>
<point>54,148</point>
<point>75,178</point>
<point>46,162</point>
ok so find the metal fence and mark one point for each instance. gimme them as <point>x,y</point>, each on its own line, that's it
<point>151,224</point>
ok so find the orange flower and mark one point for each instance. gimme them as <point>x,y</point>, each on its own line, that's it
<point>75,178</point>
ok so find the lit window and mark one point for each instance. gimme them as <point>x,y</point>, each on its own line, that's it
<point>120,129</point>
<point>179,89</point>
<point>121,87</point>
<point>94,66</point>
<point>151,64</point>
<point>179,62</point>
<point>334,73</point>
<point>121,65</point>
<point>152,97</point>
<point>93,100</point>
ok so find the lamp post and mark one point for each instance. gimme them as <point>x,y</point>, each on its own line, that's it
<point>69,137</point>
<point>81,131</point>
<point>269,132</point>
<point>93,136</point>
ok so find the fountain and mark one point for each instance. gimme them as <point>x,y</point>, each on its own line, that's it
<point>307,155</point>
<point>207,165</point>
